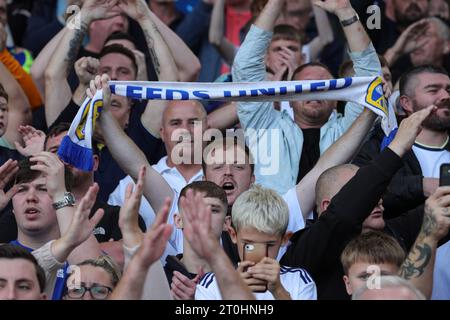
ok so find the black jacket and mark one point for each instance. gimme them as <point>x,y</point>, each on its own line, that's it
<point>318,248</point>
<point>405,191</point>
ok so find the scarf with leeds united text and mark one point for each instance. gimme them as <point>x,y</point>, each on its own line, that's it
<point>76,148</point>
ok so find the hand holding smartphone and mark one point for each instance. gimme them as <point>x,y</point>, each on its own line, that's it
<point>255,252</point>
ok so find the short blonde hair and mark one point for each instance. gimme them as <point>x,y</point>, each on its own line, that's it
<point>262,209</point>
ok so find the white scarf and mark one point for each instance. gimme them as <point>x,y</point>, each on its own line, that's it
<point>365,91</point>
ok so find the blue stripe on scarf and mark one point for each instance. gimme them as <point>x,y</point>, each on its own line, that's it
<point>387,140</point>
<point>76,155</point>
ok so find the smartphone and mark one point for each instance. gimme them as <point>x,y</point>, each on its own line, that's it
<point>444,175</point>
<point>255,252</point>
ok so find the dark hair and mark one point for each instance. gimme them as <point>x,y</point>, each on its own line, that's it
<point>120,49</point>
<point>286,32</point>
<point>25,174</point>
<point>210,189</point>
<point>409,76</point>
<point>57,129</point>
<point>10,251</point>
<point>119,35</point>
<point>310,64</point>
<point>3,92</point>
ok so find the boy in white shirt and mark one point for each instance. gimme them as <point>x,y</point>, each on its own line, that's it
<point>259,220</point>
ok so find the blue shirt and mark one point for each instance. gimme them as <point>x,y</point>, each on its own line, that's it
<point>61,276</point>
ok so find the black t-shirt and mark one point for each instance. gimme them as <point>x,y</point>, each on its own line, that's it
<point>106,229</point>
<point>310,151</point>
<point>6,154</point>
<point>173,263</point>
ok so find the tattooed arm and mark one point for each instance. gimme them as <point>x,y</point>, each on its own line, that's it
<point>57,89</point>
<point>162,59</point>
<point>419,264</point>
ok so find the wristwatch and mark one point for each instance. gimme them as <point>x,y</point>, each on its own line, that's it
<point>67,201</point>
<point>350,21</point>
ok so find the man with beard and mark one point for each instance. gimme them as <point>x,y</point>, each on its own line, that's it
<point>419,176</point>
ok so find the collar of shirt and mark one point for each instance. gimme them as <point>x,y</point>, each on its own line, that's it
<point>171,174</point>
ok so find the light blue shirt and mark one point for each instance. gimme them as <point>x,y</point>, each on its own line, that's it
<point>276,141</point>
<point>441,279</point>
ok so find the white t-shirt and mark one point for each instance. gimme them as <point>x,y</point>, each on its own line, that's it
<point>176,182</point>
<point>430,159</point>
<point>296,281</point>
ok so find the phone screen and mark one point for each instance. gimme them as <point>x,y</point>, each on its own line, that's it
<point>444,175</point>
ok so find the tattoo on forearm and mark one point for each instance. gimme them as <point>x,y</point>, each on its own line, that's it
<point>151,49</point>
<point>429,221</point>
<point>416,262</point>
<point>74,46</point>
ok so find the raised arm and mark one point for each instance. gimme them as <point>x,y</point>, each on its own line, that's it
<point>340,152</point>
<point>42,60</point>
<point>80,228</point>
<point>58,92</point>
<point>354,31</point>
<point>129,157</point>
<point>418,266</point>
<point>216,35</point>
<point>186,61</point>
<point>133,282</point>
<point>49,164</point>
<point>155,285</point>
<point>162,59</point>
<point>325,36</point>
<point>224,117</point>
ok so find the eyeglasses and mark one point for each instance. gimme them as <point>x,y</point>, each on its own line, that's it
<point>97,292</point>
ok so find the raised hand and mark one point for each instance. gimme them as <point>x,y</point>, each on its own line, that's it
<point>81,226</point>
<point>409,129</point>
<point>86,69</point>
<point>155,240</point>
<point>33,139</point>
<point>289,59</point>
<point>100,83</point>
<point>129,212</point>
<point>197,225</point>
<point>51,166</point>
<point>7,171</point>
<point>135,9</point>
<point>99,9</point>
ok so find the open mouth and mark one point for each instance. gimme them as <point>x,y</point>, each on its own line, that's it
<point>31,212</point>
<point>228,186</point>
